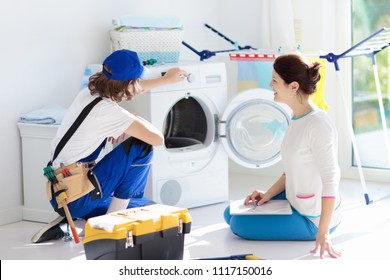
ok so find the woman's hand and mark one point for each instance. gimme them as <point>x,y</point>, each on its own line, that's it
<point>256,198</point>
<point>324,244</point>
<point>260,197</point>
<point>174,75</point>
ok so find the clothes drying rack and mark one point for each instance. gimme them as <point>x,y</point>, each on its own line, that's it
<point>206,54</point>
<point>369,47</point>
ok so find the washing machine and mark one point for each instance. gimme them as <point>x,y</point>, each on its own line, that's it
<point>202,130</point>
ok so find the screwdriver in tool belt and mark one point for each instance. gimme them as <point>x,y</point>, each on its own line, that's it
<point>65,172</point>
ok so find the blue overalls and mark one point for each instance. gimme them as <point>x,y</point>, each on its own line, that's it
<point>122,173</point>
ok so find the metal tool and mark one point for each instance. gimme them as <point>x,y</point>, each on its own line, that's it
<point>61,199</point>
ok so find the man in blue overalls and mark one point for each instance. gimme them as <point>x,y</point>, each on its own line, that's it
<point>122,173</point>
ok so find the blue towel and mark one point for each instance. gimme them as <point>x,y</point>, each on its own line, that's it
<point>49,114</point>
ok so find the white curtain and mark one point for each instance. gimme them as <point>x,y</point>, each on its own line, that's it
<point>277,25</point>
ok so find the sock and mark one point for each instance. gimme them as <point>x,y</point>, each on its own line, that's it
<point>118,204</point>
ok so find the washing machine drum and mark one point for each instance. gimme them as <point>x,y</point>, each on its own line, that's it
<point>185,124</point>
<point>253,127</point>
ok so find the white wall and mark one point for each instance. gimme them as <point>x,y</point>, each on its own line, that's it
<point>46,44</point>
<point>44,48</point>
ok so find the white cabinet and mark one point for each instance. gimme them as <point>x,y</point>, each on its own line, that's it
<point>36,146</point>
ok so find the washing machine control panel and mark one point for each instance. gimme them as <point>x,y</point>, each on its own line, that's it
<point>190,78</point>
<point>200,75</point>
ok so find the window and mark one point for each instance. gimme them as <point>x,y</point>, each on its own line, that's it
<point>369,16</point>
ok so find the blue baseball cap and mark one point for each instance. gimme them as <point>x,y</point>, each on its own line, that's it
<point>123,65</point>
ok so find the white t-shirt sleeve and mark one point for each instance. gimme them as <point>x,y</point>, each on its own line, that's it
<point>113,120</point>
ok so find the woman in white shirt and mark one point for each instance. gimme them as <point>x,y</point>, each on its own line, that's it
<point>310,181</point>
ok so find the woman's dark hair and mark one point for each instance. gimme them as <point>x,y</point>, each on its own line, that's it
<point>295,68</point>
<point>115,90</point>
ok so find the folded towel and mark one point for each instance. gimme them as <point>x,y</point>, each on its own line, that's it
<point>148,21</point>
<point>49,114</point>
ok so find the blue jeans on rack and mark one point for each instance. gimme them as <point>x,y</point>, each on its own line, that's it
<point>122,173</point>
<point>272,227</point>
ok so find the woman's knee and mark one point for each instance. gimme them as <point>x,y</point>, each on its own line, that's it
<point>226,215</point>
<point>240,228</point>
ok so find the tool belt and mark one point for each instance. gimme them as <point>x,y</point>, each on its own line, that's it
<point>74,181</point>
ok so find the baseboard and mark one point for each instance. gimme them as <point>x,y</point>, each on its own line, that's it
<point>38,215</point>
<point>11,215</point>
<point>17,214</point>
<point>274,171</point>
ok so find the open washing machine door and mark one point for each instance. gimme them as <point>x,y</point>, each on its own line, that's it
<point>252,128</point>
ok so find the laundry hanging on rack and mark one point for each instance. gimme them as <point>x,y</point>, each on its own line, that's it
<point>253,74</point>
<point>257,73</point>
<point>318,97</point>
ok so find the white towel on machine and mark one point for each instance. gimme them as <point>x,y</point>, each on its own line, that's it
<point>148,21</point>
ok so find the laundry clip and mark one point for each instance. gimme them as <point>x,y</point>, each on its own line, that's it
<point>151,61</point>
<point>236,47</point>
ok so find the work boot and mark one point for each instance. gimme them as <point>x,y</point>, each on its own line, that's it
<point>51,231</point>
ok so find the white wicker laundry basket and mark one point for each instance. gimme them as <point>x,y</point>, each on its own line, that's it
<point>162,45</point>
